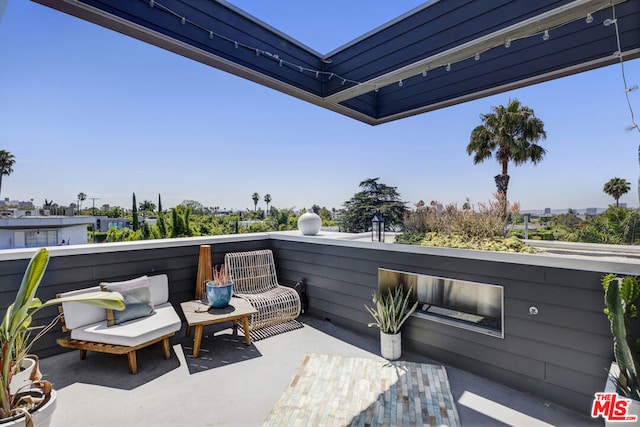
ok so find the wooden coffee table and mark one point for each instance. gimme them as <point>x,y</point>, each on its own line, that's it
<point>199,314</point>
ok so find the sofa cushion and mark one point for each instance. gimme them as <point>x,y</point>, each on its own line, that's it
<point>159,287</point>
<point>137,299</point>
<point>133,332</point>
<point>77,314</point>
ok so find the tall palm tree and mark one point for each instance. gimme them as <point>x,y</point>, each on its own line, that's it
<point>267,200</point>
<point>511,133</point>
<point>616,187</point>
<point>7,160</point>
<point>81,198</point>
<point>256,198</point>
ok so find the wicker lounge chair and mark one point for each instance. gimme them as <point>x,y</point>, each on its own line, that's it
<point>254,279</point>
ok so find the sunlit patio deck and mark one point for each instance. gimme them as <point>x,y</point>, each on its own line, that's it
<point>235,385</point>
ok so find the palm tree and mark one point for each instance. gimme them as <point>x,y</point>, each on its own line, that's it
<point>512,132</point>
<point>616,187</point>
<point>255,197</point>
<point>7,160</point>
<point>81,198</point>
<point>267,200</point>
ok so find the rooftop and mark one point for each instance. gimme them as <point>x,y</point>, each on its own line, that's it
<point>234,385</point>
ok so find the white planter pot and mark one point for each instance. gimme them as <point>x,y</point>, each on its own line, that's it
<point>41,417</point>
<point>611,387</point>
<point>309,223</point>
<point>391,345</point>
<point>22,378</point>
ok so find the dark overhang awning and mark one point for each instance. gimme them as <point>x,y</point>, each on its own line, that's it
<point>440,54</point>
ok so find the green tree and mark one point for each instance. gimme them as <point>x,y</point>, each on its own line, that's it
<point>161,224</point>
<point>375,197</point>
<point>181,221</point>
<point>7,160</point>
<point>616,187</point>
<point>267,200</point>
<point>81,198</point>
<point>147,206</point>
<point>255,197</point>
<point>511,134</point>
<point>135,222</point>
<point>195,206</point>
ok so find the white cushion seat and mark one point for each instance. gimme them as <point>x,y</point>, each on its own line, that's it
<point>133,332</point>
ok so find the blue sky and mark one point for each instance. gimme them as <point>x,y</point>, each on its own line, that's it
<point>85,109</point>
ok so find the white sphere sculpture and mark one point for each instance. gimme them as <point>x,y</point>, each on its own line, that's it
<point>309,223</point>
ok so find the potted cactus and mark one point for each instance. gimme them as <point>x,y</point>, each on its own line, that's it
<point>620,294</point>
<point>390,313</point>
<point>220,289</point>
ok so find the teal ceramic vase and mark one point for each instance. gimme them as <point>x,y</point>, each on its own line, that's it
<point>219,296</point>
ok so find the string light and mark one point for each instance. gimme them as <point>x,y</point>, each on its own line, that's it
<point>344,80</point>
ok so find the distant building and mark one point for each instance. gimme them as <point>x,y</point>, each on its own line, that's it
<point>623,205</point>
<point>592,211</point>
<point>103,223</point>
<point>28,229</point>
<point>547,211</point>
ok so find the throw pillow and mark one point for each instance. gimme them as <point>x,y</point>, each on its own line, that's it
<point>137,300</point>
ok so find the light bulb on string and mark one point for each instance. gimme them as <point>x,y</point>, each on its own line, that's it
<point>280,63</point>
<point>343,82</point>
<point>631,89</point>
<point>589,18</point>
<point>448,66</point>
<point>317,74</point>
<point>424,73</point>
<point>235,44</point>
<point>152,3</point>
<point>375,88</point>
<point>545,36</point>
<point>507,43</point>
<point>477,57</point>
<point>210,34</point>
<point>400,83</point>
<point>608,22</point>
<point>183,20</point>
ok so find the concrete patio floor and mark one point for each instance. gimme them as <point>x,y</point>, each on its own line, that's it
<point>231,384</point>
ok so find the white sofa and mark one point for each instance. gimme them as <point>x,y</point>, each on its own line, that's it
<point>89,331</point>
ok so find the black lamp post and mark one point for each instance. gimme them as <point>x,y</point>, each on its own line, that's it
<point>377,228</point>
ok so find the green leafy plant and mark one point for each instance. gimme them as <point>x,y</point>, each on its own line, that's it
<point>16,337</point>
<point>391,310</point>
<point>619,297</point>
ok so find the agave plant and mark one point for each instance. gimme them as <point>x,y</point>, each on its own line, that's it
<point>391,310</point>
<point>17,334</point>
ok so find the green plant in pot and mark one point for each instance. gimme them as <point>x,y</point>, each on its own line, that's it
<point>620,293</point>
<point>390,313</point>
<point>18,334</point>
